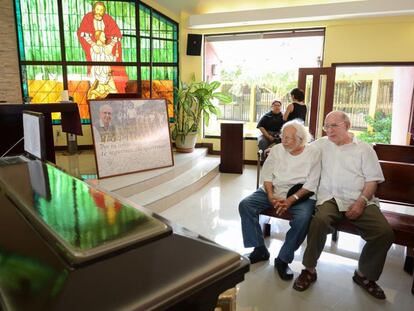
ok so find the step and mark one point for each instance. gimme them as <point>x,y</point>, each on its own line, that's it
<point>161,197</point>
<point>130,184</point>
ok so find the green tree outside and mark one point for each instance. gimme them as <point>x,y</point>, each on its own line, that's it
<point>379,129</point>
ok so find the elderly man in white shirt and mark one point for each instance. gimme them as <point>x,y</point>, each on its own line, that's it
<point>349,177</point>
<point>105,131</point>
<point>293,162</point>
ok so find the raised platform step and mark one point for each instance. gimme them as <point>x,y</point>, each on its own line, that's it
<point>162,188</point>
<point>165,195</point>
<point>130,184</point>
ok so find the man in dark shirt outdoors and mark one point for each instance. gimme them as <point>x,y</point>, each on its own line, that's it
<point>270,125</point>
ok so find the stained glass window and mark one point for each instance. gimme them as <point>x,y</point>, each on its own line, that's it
<point>95,48</point>
<point>78,86</point>
<point>145,50</point>
<point>144,20</point>
<point>38,30</point>
<point>80,89</point>
<point>123,13</point>
<point>44,84</point>
<point>162,84</point>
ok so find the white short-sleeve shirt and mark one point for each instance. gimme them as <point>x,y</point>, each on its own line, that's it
<point>285,170</point>
<point>345,170</point>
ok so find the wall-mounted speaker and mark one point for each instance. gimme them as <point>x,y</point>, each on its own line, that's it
<point>194,44</point>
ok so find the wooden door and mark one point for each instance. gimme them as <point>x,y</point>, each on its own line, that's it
<point>314,109</point>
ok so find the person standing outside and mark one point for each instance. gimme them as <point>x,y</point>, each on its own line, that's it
<point>297,109</point>
<point>270,125</point>
<point>349,177</point>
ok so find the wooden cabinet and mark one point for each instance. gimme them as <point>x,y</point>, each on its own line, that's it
<point>231,148</point>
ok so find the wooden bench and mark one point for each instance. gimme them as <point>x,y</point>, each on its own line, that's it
<point>395,153</point>
<point>398,188</point>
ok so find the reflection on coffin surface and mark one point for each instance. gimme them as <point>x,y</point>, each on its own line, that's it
<point>65,245</point>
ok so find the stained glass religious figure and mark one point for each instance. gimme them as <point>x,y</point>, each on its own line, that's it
<point>100,38</point>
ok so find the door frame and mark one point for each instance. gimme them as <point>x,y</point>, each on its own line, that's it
<point>330,73</point>
<point>316,73</point>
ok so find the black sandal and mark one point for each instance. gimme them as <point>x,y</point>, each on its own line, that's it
<point>370,286</point>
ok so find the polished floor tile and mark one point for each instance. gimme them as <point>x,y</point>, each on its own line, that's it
<point>213,212</point>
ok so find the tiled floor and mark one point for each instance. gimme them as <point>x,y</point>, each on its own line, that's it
<point>212,212</point>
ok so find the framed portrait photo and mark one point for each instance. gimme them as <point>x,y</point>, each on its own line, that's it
<point>130,135</point>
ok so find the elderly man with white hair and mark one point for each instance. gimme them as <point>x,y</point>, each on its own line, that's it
<point>105,131</point>
<point>349,177</point>
<point>290,177</point>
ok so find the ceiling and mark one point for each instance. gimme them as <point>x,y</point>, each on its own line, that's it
<point>229,13</point>
<point>220,6</point>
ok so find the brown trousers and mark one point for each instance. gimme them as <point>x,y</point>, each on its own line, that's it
<point>372,226</point>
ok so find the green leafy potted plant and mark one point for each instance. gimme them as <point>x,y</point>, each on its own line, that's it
<point>194,100</point>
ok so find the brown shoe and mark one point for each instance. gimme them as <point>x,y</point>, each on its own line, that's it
<point>370,286</point>
<point>304,280</point>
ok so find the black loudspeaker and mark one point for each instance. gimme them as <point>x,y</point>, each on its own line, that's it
<point>194,44</point>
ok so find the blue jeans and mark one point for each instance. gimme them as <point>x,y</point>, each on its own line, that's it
<point>249,210</point>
